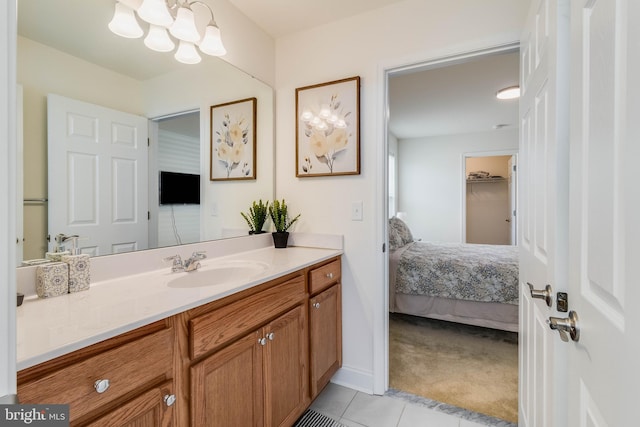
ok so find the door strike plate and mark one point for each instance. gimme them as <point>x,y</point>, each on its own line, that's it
<point>562,302</point>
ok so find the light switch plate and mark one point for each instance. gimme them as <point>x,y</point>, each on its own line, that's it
<point>356,210</point>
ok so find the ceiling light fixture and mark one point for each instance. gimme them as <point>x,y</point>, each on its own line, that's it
<point>175,17</point>
<point>511,92</point>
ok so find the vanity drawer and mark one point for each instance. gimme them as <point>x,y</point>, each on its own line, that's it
<point>321,277</point>
<point>216,328</point>
<point>127,368</point>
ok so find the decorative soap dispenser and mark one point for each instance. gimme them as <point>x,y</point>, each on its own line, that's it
<point>59,250</point>
<point>79,267</point>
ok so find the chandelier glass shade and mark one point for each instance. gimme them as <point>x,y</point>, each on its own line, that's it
<point>169,21</point>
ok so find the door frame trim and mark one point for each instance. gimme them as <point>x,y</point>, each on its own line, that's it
<point>380,315</point>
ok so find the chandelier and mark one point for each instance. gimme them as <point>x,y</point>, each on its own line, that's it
<point>167,18</point>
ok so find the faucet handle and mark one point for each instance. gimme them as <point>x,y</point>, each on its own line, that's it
<point>199,255</point>
<point>177,262</point>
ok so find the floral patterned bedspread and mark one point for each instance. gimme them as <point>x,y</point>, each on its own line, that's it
<point>460,271</point>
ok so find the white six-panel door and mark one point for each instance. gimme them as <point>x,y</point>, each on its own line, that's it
<point>97,176</point>
<point>604,371</point>
<point>543,205</point>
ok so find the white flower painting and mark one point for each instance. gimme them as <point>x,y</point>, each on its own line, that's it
<point>233,140</point>
<point>327,129</point>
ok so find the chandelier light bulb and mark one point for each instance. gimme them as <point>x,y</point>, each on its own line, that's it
<point>158,39</point>
<point>155,12</point>
<point>124,23</point>
<point>184,27</point>
<point>187,53</point>
<point>211,43</point>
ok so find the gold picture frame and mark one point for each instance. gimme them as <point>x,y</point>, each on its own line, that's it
<point>328,128</point>
<point>233,140</point>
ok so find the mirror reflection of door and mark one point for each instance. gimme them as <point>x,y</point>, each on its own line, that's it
<point>97,177</point>
<point>489,200</point>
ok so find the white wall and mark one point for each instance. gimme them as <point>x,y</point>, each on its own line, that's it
<point>432,180</point>
<point>402,33</point>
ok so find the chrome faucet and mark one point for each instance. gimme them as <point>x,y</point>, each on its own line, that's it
<point>190,264</point>
<point>193,262</point>
<point>177,263</point>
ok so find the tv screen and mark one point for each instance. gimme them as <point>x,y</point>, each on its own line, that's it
<point>179,188</point>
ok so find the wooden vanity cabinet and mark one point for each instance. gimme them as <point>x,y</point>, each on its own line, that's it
<point>120,381</point>
<point>325,324</point>
<point>150,409</point>
<point>257,371</point>
<point>254,358</point>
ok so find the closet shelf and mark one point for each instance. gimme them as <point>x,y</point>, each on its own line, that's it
<point>472,181</point>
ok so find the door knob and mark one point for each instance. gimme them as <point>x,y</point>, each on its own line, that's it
<point>544,294</point>
<point>566,325</point>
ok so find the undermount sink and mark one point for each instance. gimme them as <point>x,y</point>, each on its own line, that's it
<point>219,273</point>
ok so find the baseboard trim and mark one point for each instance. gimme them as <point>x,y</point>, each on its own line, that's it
<point>355,379</point>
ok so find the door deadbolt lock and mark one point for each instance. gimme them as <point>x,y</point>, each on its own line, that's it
<point>562,302</point>
<point>566,325</point>
<point>545,294</point>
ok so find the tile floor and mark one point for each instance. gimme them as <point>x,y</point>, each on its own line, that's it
<point>356,409</point>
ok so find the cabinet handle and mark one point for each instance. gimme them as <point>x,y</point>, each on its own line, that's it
<point>316,305</point>
<point>330,275</point>
<point>170,399</point>
<point>262,341</point>
<point>101,385</point>
<point>270,336</point>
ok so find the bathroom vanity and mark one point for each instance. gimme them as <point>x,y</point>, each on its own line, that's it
<point>254,348</point>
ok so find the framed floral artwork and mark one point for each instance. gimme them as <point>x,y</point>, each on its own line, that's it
<point>328,128</point>
<point>233,140</point>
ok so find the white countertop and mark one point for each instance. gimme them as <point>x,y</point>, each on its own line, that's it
<point>52,327</point>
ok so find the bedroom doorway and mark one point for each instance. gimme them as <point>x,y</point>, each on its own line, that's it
<point>426,189</point>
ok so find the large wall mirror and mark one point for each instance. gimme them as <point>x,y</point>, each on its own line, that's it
<point>65,48</point>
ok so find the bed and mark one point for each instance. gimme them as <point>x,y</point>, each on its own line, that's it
<point>465,283</point>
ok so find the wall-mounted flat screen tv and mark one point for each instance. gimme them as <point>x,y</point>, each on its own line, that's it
<point>179,188</point>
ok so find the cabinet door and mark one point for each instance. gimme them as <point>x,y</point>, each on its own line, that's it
<point>286,372</point>
<point>226,387</point>
<point>325,337</point>
<point>151,409</point>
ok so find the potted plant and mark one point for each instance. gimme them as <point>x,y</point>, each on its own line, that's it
<point>280,217</point>
<point>256,217</point>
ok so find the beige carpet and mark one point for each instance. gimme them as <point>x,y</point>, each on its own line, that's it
<point>465,366</point>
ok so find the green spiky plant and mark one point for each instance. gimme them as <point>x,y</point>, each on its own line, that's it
<point>280,216</point>
<point>256,217</point>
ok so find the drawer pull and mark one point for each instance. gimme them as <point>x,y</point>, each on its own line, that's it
<point>262,341</point>
<point>270,336</point>
<point>316,305</point>
<point>330,275</point>
<point>101,385</point>
<point>170,399</point>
